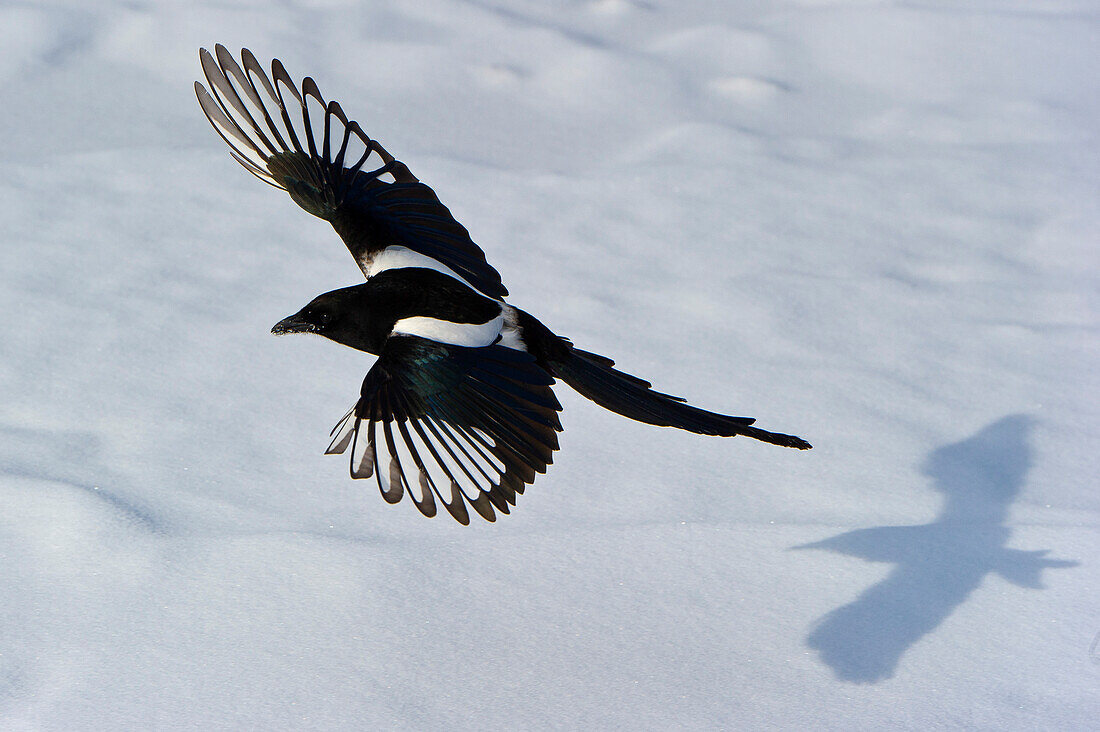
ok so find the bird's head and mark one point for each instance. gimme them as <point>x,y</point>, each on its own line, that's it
<point>341,315</point>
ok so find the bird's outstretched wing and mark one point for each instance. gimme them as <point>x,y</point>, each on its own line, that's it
<point>451,423</point>
<point>294,140</point>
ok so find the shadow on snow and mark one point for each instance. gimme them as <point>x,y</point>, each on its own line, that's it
<point>937,565</point>
<point>70,458</point>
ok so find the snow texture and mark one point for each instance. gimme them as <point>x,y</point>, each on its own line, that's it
<point>872,224</point>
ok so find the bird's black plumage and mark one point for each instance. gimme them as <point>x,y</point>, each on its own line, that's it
<point>296,141</point>
<point>458,409</point>
<point>363,316</point>
<point>464,425</point>
<point>461,425</point>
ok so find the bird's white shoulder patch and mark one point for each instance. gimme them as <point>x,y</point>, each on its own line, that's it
<point>472,335</point>
<point>397,257</point>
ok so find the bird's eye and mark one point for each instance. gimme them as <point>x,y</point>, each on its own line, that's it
<point>324,318</point>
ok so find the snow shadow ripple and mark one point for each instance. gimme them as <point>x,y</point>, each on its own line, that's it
<point>937,565</point>
<point>69,458</point>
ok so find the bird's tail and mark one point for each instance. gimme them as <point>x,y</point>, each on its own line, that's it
<point>594,377</point>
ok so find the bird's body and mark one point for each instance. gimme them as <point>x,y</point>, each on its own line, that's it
<point>458,408</point>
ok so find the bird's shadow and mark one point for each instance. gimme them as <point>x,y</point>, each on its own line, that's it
<point>936,565</point>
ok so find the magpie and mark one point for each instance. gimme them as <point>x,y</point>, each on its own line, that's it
<point>458,409</point>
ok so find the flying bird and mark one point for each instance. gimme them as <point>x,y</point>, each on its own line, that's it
<point>458,408</point>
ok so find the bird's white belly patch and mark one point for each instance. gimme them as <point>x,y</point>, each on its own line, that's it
<point>472,335</point>
<point>396,257</point>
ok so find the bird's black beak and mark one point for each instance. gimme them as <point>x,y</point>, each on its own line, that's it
<point>294,324</point>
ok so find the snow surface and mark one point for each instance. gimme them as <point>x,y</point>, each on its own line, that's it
<point>871,224</point>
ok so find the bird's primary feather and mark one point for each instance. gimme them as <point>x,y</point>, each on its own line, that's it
<point>452,424</point>
<point>294,140</point>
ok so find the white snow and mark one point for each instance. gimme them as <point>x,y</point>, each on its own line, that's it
<point>871,224</point>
